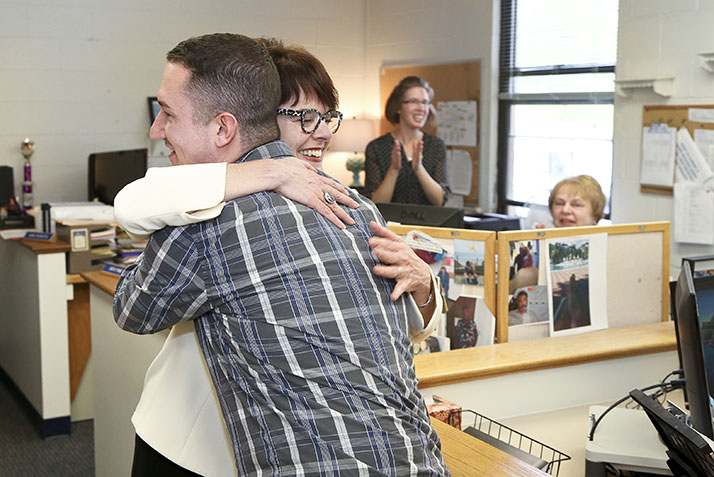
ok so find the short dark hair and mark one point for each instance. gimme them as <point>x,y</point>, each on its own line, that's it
<point>231,73</point>
<point>394,102</point>
<point>300,71</point>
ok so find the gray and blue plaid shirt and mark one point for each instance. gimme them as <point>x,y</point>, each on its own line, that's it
<point>309,356</point>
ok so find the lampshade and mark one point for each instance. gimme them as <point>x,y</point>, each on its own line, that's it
<point>353,135</point>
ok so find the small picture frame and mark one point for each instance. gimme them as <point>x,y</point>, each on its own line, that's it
<point>79,240</point>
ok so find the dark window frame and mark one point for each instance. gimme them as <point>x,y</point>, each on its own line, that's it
<point>507,99</point>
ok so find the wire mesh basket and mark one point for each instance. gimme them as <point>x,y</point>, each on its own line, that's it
<point>510,441</point>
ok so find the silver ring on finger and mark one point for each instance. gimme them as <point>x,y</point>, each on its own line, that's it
<point>328,198</point>
<point>399,272</point>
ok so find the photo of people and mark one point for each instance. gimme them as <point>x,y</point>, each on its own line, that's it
<point>469,257</point>
<point>433,344</point>
<point>524,264</point>
<point>461,326</point>
<point>445,275</point>
<point>528,305</point>
<point>577,283</point>
<point>569,271</point>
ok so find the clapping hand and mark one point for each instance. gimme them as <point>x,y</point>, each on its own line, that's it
<point>396,162</point>
<point>416,155</point>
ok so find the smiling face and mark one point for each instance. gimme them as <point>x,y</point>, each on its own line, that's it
<point>308,147</point>
<point>189,141</point>
<point>570,209</point>
<point>414,110</point>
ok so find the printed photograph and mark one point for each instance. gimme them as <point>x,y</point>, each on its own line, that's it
<point>569,277</point>
<point>433,344</point>
<point>469,257</point>
<point>524,264</point>
<point>445,271</point>
<point>461,327</point>
<point>528,305</point>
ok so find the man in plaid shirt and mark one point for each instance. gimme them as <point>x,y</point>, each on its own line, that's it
<point>309,356</point>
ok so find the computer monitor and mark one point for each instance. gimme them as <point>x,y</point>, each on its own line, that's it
<point>7,185</point>
<point>154,108</point>
<point>694,353</point>
<point>427,215</point>
<point>491,221</point>
<point>109,172</point>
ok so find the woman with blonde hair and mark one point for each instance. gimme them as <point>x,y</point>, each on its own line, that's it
<point>576,201</point>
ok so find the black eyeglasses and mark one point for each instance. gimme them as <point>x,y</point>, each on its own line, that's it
<point>310,118</point>
<point>415,102</point>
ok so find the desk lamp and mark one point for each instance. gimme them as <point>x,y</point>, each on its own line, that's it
<point>352,137</point>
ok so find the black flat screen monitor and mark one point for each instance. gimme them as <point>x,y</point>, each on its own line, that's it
<point>109,172</point>
<point>7,185</point>
<point>694,353</point>
<point>492,221</point>
<point>689,454</point>
<point>426,215</point>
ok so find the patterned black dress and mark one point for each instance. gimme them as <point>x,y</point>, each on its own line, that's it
<point>407,190</point>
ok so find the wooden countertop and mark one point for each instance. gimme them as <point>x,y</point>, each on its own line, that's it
<point>40,247</point>
<point>104,281</point>
<point>488,361</point>
<point>461,365</point>
<point>467,456</point>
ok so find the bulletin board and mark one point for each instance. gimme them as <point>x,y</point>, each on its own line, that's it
<point>447,235</point>
<point>637,271</point>
<point>676,116</point>
<point>451,82</point>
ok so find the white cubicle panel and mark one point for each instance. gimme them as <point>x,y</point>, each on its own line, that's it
<point>33,342</point>
<point>120,362</point>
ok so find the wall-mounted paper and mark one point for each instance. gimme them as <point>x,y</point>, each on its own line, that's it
<point>457,122</point>
<point>701,115</point>
<point>658,148</point>
<point>693,213</point>
<point>691,164</point>
<point>460,170</point>
<point>704,139</point>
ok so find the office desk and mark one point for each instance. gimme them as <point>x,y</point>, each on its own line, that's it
<point>539,380</point>
<point>626,439</point>
<point>33,324</point>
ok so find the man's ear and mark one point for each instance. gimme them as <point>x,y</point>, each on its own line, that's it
<point>227,129</point>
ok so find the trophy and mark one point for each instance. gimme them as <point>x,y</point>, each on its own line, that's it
<point>27,148</point>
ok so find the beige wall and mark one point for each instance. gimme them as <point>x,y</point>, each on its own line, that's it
<point>657,38</point>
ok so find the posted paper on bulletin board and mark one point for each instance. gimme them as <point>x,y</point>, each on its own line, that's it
<point>457,122</point>
<point>658,154</point>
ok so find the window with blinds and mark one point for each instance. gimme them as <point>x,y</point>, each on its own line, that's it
<point>556,88</point>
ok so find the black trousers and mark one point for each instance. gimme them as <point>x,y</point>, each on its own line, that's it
<point>149,463</point>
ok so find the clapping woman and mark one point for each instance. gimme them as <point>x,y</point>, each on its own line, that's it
<point>408,165</point>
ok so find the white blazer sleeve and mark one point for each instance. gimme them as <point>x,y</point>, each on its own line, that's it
<point>417,331</point>
<point>171,196</point>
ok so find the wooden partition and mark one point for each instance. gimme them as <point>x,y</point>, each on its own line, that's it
<point>637,271</point>
<point>446,235</point>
